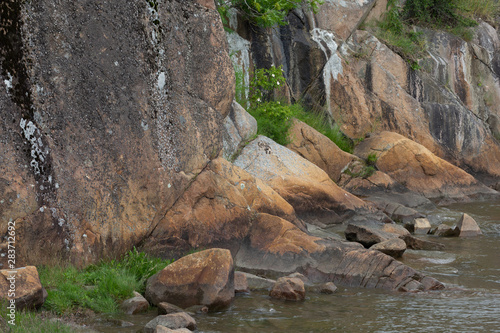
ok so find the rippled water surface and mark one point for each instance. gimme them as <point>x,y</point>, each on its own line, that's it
<point>470,267</point>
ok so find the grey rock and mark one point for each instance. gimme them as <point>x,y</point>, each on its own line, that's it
<point>258,283</point>
<point>172,321</point>
<point>394,247</point>
<point>135,305</point>
<point>468,227</point>
<point>288,288</point>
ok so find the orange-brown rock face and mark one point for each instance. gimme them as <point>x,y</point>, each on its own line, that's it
<point>22,285</point>
<point>304,185</point>
<point>218,207</point>
<point>418,169</point>
<point>318,149</point>
<point>202,278</point>
<point>108,113</point>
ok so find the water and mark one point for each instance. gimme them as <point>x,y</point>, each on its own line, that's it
<point>469,267</point>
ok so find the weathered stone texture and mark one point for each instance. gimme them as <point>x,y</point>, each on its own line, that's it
<point>110,109</point>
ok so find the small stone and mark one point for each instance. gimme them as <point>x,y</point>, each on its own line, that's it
<point>288,289</point>
<point>468,226</point>
<point>240,283</point>
<point>444,230</point>
<point>327,288</point>
<point>163,329</point>
<point>167,308</point>
<point>300,276</point>
<point>420,226</point>
<point>421,244</point>
<point>394,247</point>
<point>135,305</point>
<point>172,321</point>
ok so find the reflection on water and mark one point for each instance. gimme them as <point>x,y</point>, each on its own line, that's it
<point>469,267</point>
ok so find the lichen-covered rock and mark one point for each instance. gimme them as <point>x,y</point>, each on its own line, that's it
<point>109,110</point>
<point>421,171</point>
<point>202,278</point>
<point>22,285</point>
<point>304,185</point>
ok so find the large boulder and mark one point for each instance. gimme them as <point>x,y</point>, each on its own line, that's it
<point>202,278</point>
<point>318,149</point>
<point>418,169</point>
<point>304,185</point>
<point>217,209</point>
<point>22,286</point>
<point>109,110</point>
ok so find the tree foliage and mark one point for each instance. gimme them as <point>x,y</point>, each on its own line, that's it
<point>266,13</point>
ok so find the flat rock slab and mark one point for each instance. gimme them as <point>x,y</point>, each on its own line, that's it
<point>343,263</point>
<point>258,283</point>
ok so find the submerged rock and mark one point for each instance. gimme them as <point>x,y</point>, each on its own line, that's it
<point>288,288</point>
<point>467,226</point>
<point>172,321</point>
<point>202,278</point>
<point>444,230</point>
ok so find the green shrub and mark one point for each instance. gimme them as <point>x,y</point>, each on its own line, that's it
<point>264,83</point>
<point>265,13</point>
<point>273,120</point>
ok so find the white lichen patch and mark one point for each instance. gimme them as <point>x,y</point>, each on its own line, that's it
<point>161,80</point>
<point>30,133</point>
<point>239,49</point>
<point>8,82</point>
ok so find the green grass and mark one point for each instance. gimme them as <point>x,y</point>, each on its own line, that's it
<point>274,120</point>
<point>100,287</point>
<point>396,28</point>
<point>31,322</point>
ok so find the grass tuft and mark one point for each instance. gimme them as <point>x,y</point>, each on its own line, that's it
<point>99,287</point>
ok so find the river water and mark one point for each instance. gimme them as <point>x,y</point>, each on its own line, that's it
<point>470,268</point>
